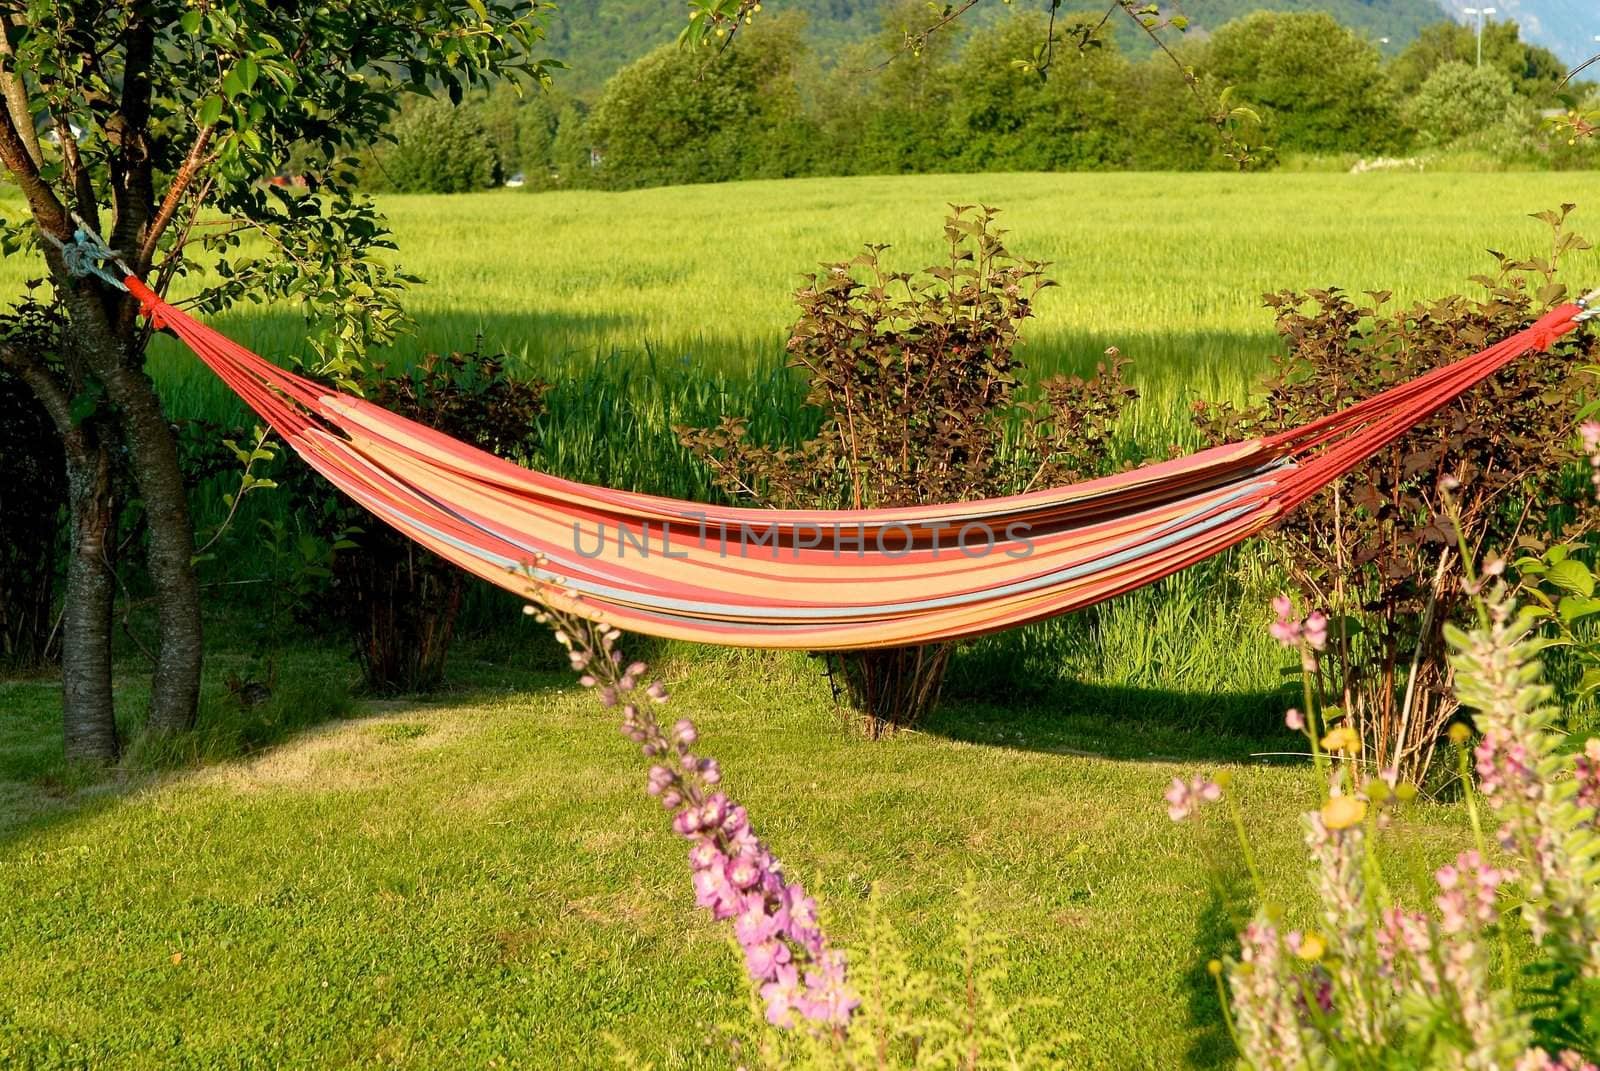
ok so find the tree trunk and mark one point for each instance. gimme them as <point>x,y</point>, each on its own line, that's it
<point>153,456</point>
<point>153,453</point>
<point>893,688</point>
<point>88,712</point>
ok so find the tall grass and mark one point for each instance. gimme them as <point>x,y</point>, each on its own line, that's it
<point>667,306</point>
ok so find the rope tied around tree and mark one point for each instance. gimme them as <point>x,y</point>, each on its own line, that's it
<point>86,254</point>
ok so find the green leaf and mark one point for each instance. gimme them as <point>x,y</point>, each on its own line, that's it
<point>1572,575</point>
<point>1577,607</point>
<point>1590,680</point>
<point>190,22</point>
<point>210,111</point>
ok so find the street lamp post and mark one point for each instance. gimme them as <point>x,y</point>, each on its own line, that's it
<point>1481,13</point>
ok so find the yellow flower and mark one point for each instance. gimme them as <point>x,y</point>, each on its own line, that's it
<point>1342,812</point>
<point>1312,947</point>
<point>1343,738</point>
<point>1460,733</point>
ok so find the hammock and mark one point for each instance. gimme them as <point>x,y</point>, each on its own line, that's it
<point>819,579</point>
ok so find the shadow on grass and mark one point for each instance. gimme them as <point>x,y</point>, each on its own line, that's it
<point>312,685</point>
<point>1226,912</point>
<point>39,787</point>
<point>1121,722</point>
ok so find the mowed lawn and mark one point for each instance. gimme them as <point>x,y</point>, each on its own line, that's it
<point>480,881</point>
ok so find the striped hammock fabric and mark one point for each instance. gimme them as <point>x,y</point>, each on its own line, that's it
<point>823,579</point>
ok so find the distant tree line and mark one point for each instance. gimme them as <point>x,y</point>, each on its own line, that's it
<point>767,108</point>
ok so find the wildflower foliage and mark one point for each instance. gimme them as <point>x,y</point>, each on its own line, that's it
<point>1377,979</point>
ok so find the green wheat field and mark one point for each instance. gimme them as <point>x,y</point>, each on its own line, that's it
<point>478,881</point>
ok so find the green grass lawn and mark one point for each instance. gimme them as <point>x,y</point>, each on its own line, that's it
<point>480,881</point>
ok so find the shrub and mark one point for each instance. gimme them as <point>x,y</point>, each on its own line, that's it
<point>1320,84</point>
<point>1007,119</point>
<point>914,378</point>
<point>1537,74</point>
<point>1458,99</point>
<point>570,158</point>
<point>682,116</point>
<point>438,148</point>
<point>398,601</point>
<point>1374,549</point>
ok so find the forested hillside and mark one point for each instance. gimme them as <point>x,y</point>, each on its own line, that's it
<point>596,38</point>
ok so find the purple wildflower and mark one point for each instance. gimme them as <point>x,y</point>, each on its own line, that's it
<point>1287,628</point>
<point>1504,766</point>
<point>734,875</point>
<point>1316,630</point>
<point>1185,797</point>
<point>1404,944</point>
<point>1469,889</point>
<point>1266,1002</point>
<point>1539,1060</point>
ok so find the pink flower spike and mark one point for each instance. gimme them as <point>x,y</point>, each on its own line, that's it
<point>1179,805</point>
<point>1184,797</point>
<point>1590,431</point>
<point>1295,720</point>
<point>1316,630</point>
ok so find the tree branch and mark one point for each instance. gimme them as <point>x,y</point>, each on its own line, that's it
<point>48,211</point>
<point>16,95</point>
<point>132,169</point>
<point>179,186</point>
<point>82,185</point>
<point>50,393</point>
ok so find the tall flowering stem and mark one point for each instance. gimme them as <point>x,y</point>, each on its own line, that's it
<point>1523,779</point>
<point>1268,1025</point>
<point>1310,637</point>
<point>736,878</point>
<point>1380,979</point>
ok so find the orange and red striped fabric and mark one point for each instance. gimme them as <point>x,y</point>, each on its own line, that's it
<point>818,579</point>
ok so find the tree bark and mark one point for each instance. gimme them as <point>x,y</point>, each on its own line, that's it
<point>175,687</point>
<point>88,708</point>
<point>153,458</point>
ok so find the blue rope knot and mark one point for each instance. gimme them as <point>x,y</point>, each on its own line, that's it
<point>85,254</point>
